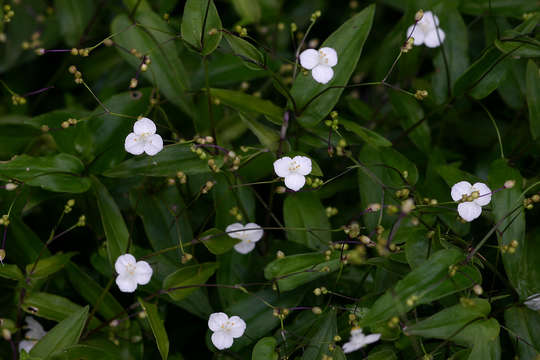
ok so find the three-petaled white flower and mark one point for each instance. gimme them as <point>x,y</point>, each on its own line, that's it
<point>293,170</point>
<point>472,198</point>
<point>131,273</point>
<point>249,234</point>
<point>425,31</point>
<point>320,63</point>
<point>225,329</point>
<point>33,335</point>
<point>533,302</point>
<point>143,138</point>
<point>359,340</point>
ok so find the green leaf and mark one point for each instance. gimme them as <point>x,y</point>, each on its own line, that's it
<point>168,162</point>
<point>74,16</point>
<point>533,98</point>
<point>410,112</point>
<point>369,136</point>
<point>160,334</point>
<point>249,10</point>
<point>16,132</point>
<point>251,56</point>
<point>523,46</point>
<point>248,103</point>
<point>497,7</point>
<point>113,223</point>
<point>265,349</point>
<point>49,265</point>
<point>306,220</point>
<point>12,272</point>
<point>217,241</point>
<point>65,334</point>
<point>268,137</point>
<point>428,282</point>
<point>324,335</point>
<point>83,352</point>
<point>24,167</point>
<point>234,268</point>
<point>227,196</point>
<point>452,175</point>
<point>348,41</point>
<point>525,324</point>
<point>166,70</point>
<point>199,13</point>
<point>188,276</point>
<point>296,270</point>
<point>92,292</point>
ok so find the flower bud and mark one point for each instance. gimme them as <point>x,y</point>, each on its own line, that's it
<point>11,186</point>
<point>316,310</point>
<point>478,289</point>
<point>6,334</point>
<point>2,255</point>
<point>280,254</point>
<point>419,15</point>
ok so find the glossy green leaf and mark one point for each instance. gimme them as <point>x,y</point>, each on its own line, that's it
<point>348,41</point>
<point>267,136</point>
<point>67,183</point>
<point>452,175</point>
<point>74,16</point>
<point>113,223</point>
<point>168,162</point>
<point>199,14</point>
<point>306,220</point>
<point>249,10</point>
<point>525,324</point>
<point>234,268</point>
<point>49,265</point>
<point>497,7</point>
<point>12,272</point>
<point>83,352</point>
<point>409,111</point>
<point>517,42</point>
<point>166,69</point>
<point>533,98</point>
<point>188,276</point>
<point>249,104</point>
<point>428,282</point>
<point>25,168</point>
<point>217,241</point>
<point>156,323</point>
<point>324,335</point>
<point>228,196</point>
<point>65,334</point>
<point>16,132</point>
<point>369,136</point>
<point>251,56</point>
<point>265,349</point>
<point>295,270</point>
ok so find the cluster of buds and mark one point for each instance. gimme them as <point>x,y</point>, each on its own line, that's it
<point>76,73</point>
<point>408,45</point>
<point>393,322</point>
<point>280,254</point>
<point>4,220</point>
<point>207,187</point>
<point>340,148</point>
<point>186,258</point>
<point>407,206</point>
<point>146,61</point>
<point>236,213</point>
<point>352,319</point>
<point>353,230</point>
<point>34,43</point>
<point>212,165</point>
<point>81,52</point>
<point>528,203</point>
<point>82,221</point>
<point>429,201</point>
<point>320,291</point>
<point>68,123</point>
<point>331,211</point>
<point>510,248</point>
<point>18,100</point>
<point>235,159</point>
<point>452,270</point>
<point>467,198</point>
<point>421,94</point>
<point>403,193</point>
<point>358,255</point>
<point>317,14</point>
<point>136,53</point>
<point>199,151</point>
<point>333,122</point>
<point>181,177</point>
<point>412,300</point>
<point>8,13</point>
<point>281,314</point>
<point>313,182</point>
<point>242,31</point>
<point>69,206</point>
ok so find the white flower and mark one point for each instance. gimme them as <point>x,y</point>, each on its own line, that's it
<point>143,138</point>
<point>359,340</point>
<point>320,63</point>
<point>533,302</point>
<point>293,170</point>
<point>249,234</point>
<point>425,31</point>
<point>225,329</point>
<point>473,197</point>
<point>131,273</point>
<point>33,335</point>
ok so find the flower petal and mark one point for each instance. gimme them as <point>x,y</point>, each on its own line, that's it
<point>222,340</point>
<point>322,73</point>
<point>418,34</point>
<point>237,326</point>
<point>233,231</point>
<point>144,125</point>
<point>133,144</point>
<point>253,232</point>
<point>309,59</point>
<point>126,283</point>
<point>244,247</point>
<point>295,181</point>
<point>123,261</point>
<point>371,338</point>
<point>351,346</point>
<point>485,193</point>
<point>305,165</point>
<point>27,345</point>
<point>460,188</point>
<point>216,320</point>
<point>329,56</point>
<point>143,272</point>
<point>35,330</point>
<point>431,40</point>
<point>430,19</point>
<point>153,145</point>
<point>533,302</point>
<point>281,166</point>
<point>469,210</point>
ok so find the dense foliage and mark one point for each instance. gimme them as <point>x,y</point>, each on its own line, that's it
<point>305,194</point>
